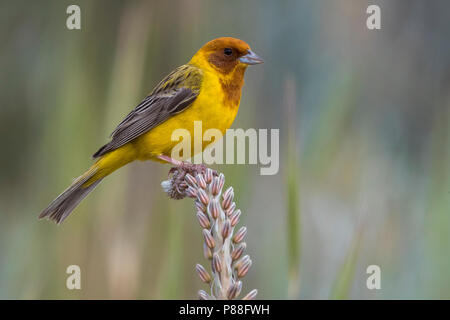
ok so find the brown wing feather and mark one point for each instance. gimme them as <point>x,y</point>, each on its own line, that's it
<point>171,96</point>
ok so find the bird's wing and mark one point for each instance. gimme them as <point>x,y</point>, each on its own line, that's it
<point>172,95</point>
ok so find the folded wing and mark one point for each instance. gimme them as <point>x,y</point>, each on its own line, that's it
<point>172,95</point>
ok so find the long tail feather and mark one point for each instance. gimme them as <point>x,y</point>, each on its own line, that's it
<point>63,205</point>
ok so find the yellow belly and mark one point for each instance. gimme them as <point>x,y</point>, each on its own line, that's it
<point>209,108</point>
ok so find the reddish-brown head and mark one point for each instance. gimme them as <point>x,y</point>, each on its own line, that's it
<point>226,53</point>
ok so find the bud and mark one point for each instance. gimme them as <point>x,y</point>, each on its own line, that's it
<point>200,206</point>
<point>238,288</point>
<point>238,251</point>
<point>215,186</point>
<point>231,209</point>
<point>191,192</point>
<point>221,181</point>
<point>207,252</point>
<point>251,295</point>
<point>209,240</point>
<point>190,180</point>
<point>202,196</point>
<point>234,218</point>
<point>239,236</point>
<point>227,198</point>
<point>214,209</point>
<point>226,229</point>
<point>234,290</point>
<point>241,262</point>
<point>201,181</point>
<point>209,174</point>
<point>202,273</point>
<point>217,263</point>
<point>243,270</point>
<point>202,295</point>
<point>203,220</point>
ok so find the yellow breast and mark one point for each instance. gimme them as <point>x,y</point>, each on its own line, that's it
<point>210,107</point>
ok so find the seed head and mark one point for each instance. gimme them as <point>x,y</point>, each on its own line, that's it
<point>217,215</point>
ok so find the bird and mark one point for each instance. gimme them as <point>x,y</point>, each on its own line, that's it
<point>208,88</point>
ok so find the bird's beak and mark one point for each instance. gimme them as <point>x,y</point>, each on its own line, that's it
<point>251,58</point>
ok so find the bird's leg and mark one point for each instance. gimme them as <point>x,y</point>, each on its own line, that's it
<point>175,162</point>
<point>184,166</point>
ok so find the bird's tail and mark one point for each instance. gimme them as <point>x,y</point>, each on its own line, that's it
<point>60,208</point>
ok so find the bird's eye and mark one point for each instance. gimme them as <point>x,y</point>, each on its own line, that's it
<point>228,51</point>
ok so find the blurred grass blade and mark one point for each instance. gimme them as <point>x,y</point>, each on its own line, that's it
<point>292,181</point>
<point>344,280</point>
<point>438,204</point>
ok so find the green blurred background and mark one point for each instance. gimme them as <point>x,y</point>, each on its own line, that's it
<point>364,119</point>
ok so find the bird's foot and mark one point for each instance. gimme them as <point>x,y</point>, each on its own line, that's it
<point>184,166</point>
<point>177,174</point>
<point>192,169</point>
